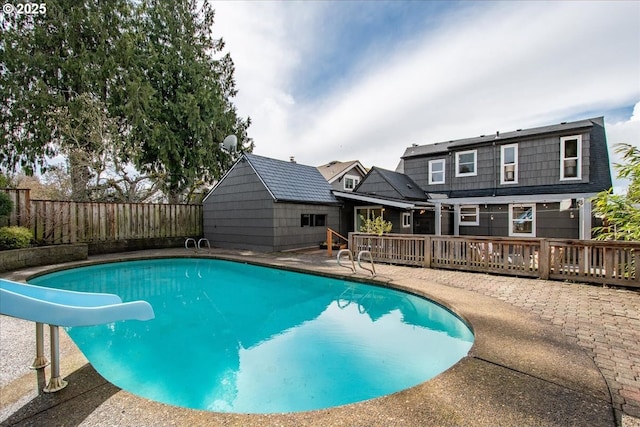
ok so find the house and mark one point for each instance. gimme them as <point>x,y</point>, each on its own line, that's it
<point>391,195</point>
<point>268,205</point>
<point>527,183</point>
<point>343,176</point>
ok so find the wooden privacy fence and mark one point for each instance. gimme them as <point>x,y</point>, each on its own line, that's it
<point>612,263</point>
<point>59,222</point>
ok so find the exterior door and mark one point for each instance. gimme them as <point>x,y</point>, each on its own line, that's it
<point>366,212</point>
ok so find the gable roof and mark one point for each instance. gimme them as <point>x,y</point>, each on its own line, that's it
<point>401,183</point>
<point>290,181</point>
<point>335,169</point>
<point>446,146</point>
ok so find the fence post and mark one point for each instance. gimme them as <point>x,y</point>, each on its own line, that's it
<point>608,254</point>
<point>329,243</point>
<point>427,251</point>
<point>544,259</point>
<point>636,254</point>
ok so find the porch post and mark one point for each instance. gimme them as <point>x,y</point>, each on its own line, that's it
<point>438,219</point>
<point>456,220</point>
<point>585,219</point>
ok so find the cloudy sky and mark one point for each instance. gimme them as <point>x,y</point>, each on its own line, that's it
<point>346,80</point>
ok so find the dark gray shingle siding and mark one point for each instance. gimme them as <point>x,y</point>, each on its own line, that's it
<point>385,183</point>
<point>600,173</point>
<point>403,184</point>
<point>538,164</point>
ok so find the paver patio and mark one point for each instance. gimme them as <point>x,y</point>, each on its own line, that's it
<point>604,321</point>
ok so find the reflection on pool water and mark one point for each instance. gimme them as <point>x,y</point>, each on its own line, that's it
<point>234,337</point>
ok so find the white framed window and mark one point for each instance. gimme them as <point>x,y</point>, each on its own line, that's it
<point>436,171</point>
<point>522,220</point>
<point>350,182</point>
<point>406,220</point>
<point>466,163</point>
<point>509,164</point>
<point>469,215</point>
<point>571,157</point>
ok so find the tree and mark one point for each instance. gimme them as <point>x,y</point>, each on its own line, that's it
<point>39,190</point>
<point>5,180</point>
<point>621,213</point>
<point>53,66</point>
<point>115,84</point>
<point>6,204</point>
<point>186,111</point>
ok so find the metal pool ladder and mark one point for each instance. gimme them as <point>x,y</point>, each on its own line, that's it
<point>350,256</point>
<point>352,267</point>
<point>197,246</point>
<point>371,270</point>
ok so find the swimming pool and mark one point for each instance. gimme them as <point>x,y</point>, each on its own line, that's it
<point>234,337</point>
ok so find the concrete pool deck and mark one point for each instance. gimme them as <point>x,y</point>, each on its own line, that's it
<point>546,353</point>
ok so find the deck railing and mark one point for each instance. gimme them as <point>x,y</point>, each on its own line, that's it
<point>612,263</point>
<point>595,261</point>
<point>331,233</point>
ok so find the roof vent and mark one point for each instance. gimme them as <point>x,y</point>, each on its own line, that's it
<point>409,186</point>
<point>518,130</point>
<point>414,145</point>
<point>563,123</point>
<point>481,136</point>
<point>292,159</point>
<point>497,134</point>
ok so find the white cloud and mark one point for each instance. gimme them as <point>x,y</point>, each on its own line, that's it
<point>485,67</point>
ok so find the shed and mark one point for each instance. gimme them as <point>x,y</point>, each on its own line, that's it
<point>269,205</point>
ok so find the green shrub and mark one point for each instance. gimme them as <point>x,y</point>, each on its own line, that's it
<point>15,237</point>
<point>6,204</point>
<point>376,226</point>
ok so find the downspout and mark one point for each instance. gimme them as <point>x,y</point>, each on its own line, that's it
<point>495,171</point>
<point>451,166</point>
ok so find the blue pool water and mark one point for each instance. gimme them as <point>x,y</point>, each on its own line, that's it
<point>234,337</point>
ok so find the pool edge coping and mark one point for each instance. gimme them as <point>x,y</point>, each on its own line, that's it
<point>273,262</point>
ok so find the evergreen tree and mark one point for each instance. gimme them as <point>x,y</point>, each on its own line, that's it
<point>52,64</point>
<point>186,111</point>
<point>118,81</point>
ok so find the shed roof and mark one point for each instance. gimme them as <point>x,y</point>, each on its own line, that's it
<point>446,146</point>
<point>290,181</point>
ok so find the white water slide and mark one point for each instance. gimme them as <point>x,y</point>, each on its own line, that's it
<point>57,307</point>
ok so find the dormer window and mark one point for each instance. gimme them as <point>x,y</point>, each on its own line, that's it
<point>571,157</point>
<point>466,163</point>
<point>350,182</point>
